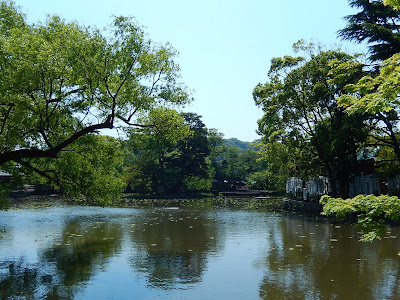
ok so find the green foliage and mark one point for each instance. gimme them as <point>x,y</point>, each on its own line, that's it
<point>302,119</point>
<point>372,212</point>
<point>193,150</point>
<point>171,163</point>
<point>4,202</point>
<point>257,181</point>
<point>374,94</point>
<point>61,81</point>
<point>394,3</point>
<point>234,165</point>
<point>153,147</point>
<point>300,97</point>
<point>242,146</point>
<point>195,183</point>
<point>283,160</point>
<point>216,142</point>
<point>91,170</point>
<point>376,97</point>
<point>376,24</point>
<point>232,168</point>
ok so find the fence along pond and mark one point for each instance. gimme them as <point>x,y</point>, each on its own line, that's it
<point>316,187</point>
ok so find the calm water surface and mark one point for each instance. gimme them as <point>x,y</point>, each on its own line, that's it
<point>72,252</point>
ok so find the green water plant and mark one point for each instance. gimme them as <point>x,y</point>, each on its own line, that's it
<point>4,202</point>
<point>372,212</point>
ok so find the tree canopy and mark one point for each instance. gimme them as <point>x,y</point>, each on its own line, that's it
<point>62,81</point>
<point>301,112</point>
<point>373,94</point>
<point>376,24</point>
<point>172,163</point>
<point>372,212</point>
<point>376,93</point>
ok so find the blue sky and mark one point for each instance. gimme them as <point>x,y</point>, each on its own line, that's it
<point>225,47</point>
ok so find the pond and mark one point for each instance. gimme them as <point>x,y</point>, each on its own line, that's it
<point>73,252</point>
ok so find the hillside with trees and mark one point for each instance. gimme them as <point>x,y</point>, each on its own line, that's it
<point>240,145</point>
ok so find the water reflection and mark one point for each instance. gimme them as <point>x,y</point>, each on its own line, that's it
<point>314,260</point>
<point>172,246</point>
<point>84,249</point>
<point>94,253</point>
<point>64,267</point>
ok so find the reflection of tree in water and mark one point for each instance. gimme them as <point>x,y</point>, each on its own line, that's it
<point>324,261</point>
<point>172,246</point>
<point>83,249</point>
<point>20,279</point>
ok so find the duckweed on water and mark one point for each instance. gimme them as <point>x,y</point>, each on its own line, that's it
<point>220,202</point>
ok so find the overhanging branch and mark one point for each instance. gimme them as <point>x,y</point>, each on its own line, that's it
<point>19,154</point>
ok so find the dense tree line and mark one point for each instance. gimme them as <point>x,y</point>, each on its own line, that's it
<point>325,107</point>
<point>196,159</point>
<point>63,83</point>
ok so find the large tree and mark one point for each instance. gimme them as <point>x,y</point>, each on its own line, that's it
<point>300,110</point>
<point>61,81</point>
<point>376,24</point>
<point>89,170</point>
<point>377,92</point>
<point>153,148</point>
<point>191,162</point>
<point>377,95</point>
<point>172,163</point>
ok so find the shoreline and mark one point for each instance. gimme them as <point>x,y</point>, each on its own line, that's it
<point>276,203</point>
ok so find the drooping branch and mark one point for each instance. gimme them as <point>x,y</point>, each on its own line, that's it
<point>19,154</point>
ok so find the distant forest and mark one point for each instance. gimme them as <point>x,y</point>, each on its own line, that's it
<point>240,145</point>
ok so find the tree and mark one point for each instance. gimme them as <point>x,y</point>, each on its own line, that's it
<point>376,93</point>
<point>285,159</point>
<point>376,24</point>
<point>300,105</point>
<point>394,3</point>
<point>373,94</point>
<point>234,165</point>
<point>191,162</point>
<point>172,163</point>
<point>378,96</point>
<point>61,81</point>
<point>89,170</point>
<point>154,147</point>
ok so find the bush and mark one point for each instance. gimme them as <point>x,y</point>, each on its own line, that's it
<point>372,212</point>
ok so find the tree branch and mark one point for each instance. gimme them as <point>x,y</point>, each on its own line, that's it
<point>19,154</point>
<point>3,125</point>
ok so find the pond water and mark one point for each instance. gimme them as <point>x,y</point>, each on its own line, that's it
<point>74,252</point>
